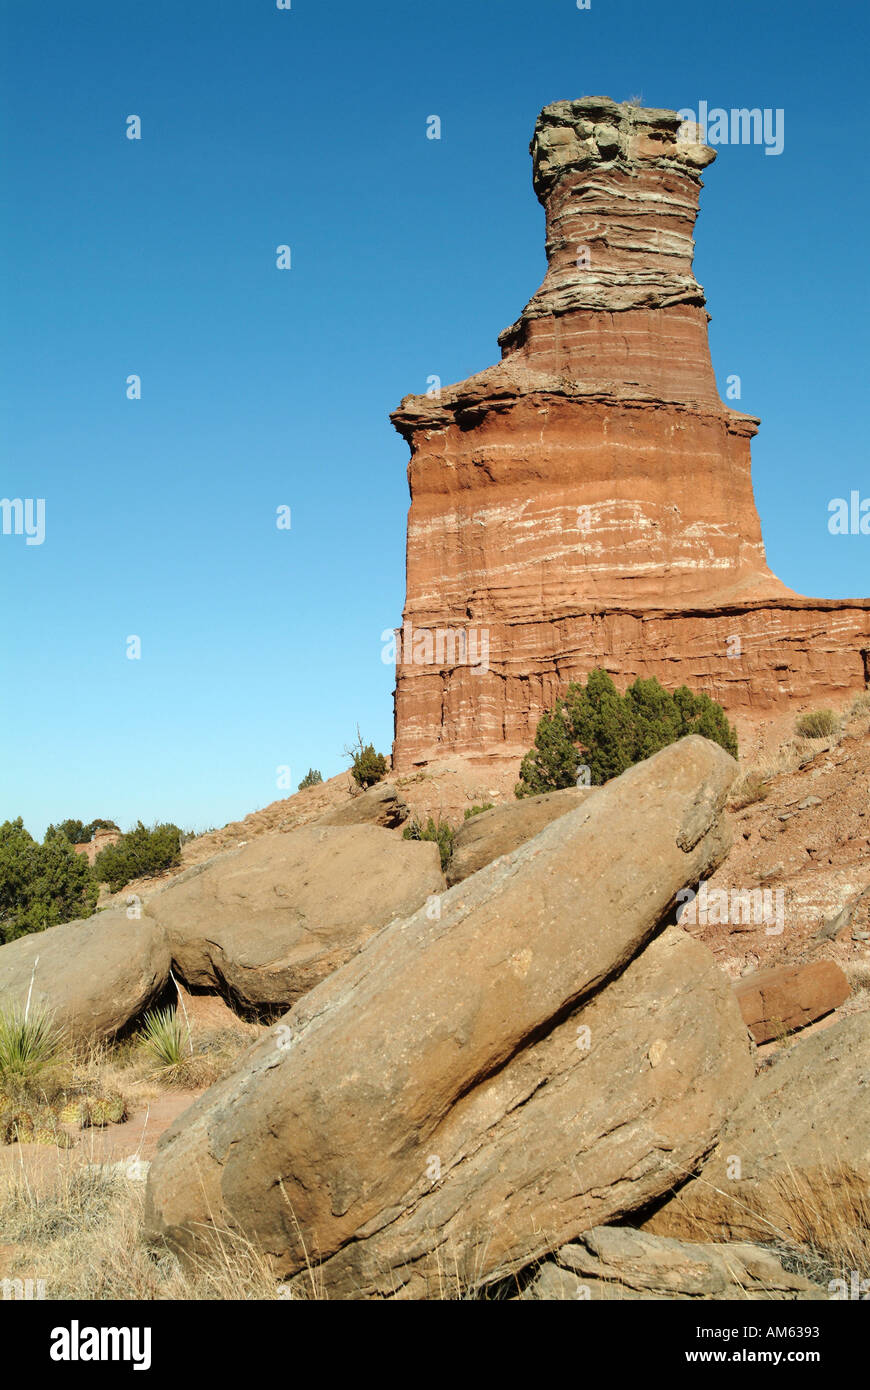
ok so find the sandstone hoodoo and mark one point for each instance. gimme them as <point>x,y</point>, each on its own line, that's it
<point>588,501</point>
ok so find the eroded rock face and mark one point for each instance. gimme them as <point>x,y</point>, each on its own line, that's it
<point>794,1158</point>
<point>615,1263</point>
<point>589,500</point>
<point>265,923</point>
<point>93,976</point>
<point>473,1089</point>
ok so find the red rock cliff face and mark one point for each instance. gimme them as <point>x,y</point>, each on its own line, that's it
<point>588,501</point>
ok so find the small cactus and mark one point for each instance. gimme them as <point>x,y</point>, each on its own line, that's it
<point>106,1110</point>
<point>57,1138</point>
<point>74,1112</point>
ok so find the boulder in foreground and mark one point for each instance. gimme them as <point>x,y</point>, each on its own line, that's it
<point>465,1093</point>
<point>794,1158</point>
<point>265,923</point>
<point>93,976</point>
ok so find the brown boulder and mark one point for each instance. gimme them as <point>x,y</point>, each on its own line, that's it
<point>378,805</point>
<point>463,1091</point>
<point>794,1158</point>
<point>777,1001</point>
<point>93,976</point>
<point>265,923</point>
<point>489,834</point>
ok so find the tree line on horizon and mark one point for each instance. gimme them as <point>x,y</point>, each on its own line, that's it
<point>42,885</point>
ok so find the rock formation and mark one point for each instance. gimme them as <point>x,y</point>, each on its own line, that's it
<point>475,1087</point>
<point>264,923</point>
<point>486,836</point>
<point>588,501</point>
<point>92,977</point>
<point>794,1157</point>
<point>778,1001</point>
<point>617,1263</point>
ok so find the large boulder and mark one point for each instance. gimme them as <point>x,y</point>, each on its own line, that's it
<point>489,834</point>
<point>616,1263</point>
<point>378,805</point>
<point>465,1093</point>
<point>93,976</point>
<point>776,1001</point>
<point>794,1159</point>
<point>265,923</point>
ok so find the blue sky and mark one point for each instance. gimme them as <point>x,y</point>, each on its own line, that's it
<point>260,127</point>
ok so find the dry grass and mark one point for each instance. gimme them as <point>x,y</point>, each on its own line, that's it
<point>817,723</point>
<point>747,790</point>
<point>818,1223</point>
<point>83,1235</point>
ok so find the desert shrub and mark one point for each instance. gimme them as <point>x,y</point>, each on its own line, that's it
<point>817,723</point>
<point>749,790</point>
<point>596,728</point>
<point>366,766</point>
<point>41,884</point>
<point>138,854</point>
<point>165,1038</point>
<point>439,831</point>
<point>477,810</point>
<point>30,1045</point>
<point>312,778</point>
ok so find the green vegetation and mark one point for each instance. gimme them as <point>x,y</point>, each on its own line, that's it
<point>77,833</point>
<point>366,766</point>
<point>165,1039</point>
<point>477,810</point>
<point>439,831</point>
<point>139,854</point>
<point>312,778</point>
<point>29,1046</point>
<point>595,728</point>
<point>817,723</point>
<point>41,885</point>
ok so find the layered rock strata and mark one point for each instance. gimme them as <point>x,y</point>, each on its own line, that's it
<point>588,501</point>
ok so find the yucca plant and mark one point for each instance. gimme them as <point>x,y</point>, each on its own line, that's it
<point>165,1038</point>
<point>29,1045</point>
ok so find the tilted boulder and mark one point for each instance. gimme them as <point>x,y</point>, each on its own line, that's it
<point>489,834</point>
<point>794,1158</point>
<point>378,805</point>
<point>463,1093</point>
<point>265,923</point>
<point>785,997</point>
<point>614,1263</point>
<point>93,976</point>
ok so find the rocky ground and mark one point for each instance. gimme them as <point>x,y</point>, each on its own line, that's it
<point>316,902</point>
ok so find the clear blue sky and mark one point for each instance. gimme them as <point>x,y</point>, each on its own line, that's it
<point>261,127</point>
